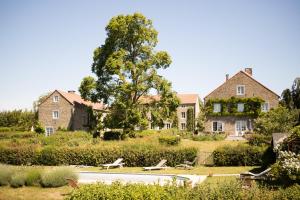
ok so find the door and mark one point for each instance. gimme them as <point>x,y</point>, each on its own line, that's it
<point>240,127</point>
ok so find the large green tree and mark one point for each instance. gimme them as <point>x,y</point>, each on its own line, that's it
<point>126,67</point>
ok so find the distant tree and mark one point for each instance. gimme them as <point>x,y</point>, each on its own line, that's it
<point>287,99</point>
<point>296,93</point>
<point>276,120</point>
<point>37,103</point>
<point>126,67</point>
<point>190,120</point>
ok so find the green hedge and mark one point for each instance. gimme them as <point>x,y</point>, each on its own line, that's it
<point>258,139</point>
<point>169,140</point>
<point>231,190</point>
<point>241,155</point>
<point>134,155</point>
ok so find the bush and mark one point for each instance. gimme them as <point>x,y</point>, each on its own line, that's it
<point>241,155</point>
<point>33,177</point>
<point>209,137</point>
<point>39,128</point>
<point>15,135</point>
<point>113,135</point>
<point>5,175</point>
<point>169,140</point>
<point>57,177</point>
<point>134,155</point>
<point>4,129</point>
<point>258,139</point>
<point>18,180</point>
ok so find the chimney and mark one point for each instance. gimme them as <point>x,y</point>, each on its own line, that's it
<point>227,77</point>
<point>248,71</point>
<point>71,91</point>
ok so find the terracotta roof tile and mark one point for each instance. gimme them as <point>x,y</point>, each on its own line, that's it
<point>75,98</point>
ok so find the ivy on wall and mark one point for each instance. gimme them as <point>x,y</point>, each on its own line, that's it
<point>190,119</point>
<point>252,106</point>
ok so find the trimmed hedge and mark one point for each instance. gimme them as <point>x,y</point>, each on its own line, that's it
<point>224,190</point>
<point>258,139</point>
<point>169,140</point>
<point>112,135</point>
<point>241,155</point>
<point>134,155</point>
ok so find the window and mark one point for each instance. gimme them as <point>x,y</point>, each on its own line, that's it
<point>265,107</point>
<point>182,106</point>
<point>240,127</point>
<point>240,90</point>
<point>217,126</point>
<point>55,99</point>
<point>168,125</point>
<point>55,114</point>
<point>217,107</point>
<point>49,131</point>
<point>182,126</point>
<point>183,115</point>
<point>240,107</point>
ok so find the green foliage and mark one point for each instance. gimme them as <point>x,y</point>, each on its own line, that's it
<point>252,106</point>
<point>39,128</point>
<point>258,139</point>
<point>57,177</point>
<point>201,118</point>
<point>241,155</point>
<point>190,120</point>
<point>5,129</point>
<point>18,119</point>
<point>126,68</point>
<point>278,120</point>
<point>134,155</point>
<point>209,137</point>
<point>5,175</point>
<point>33,177</point>
<point>113,135</point>
<point>169,140</point>
<point>18,180</point>
<point>15,135</point>
<point>231,190</point>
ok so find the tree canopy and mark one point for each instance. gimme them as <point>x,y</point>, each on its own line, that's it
<point>126,67</point>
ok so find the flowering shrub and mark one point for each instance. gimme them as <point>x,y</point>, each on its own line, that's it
<point>290,164</point>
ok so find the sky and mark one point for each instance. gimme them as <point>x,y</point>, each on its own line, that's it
<point>48,44</point>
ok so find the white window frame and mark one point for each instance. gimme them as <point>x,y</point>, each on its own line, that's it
<point>53,114</point>
<point>46,130</point>
<point>55,98</point>
<point>238,92</point>
<point>183,115</point>
<point>183,126</point>
<point>243,127</point>
<point>265,108</point>
<point>240,107</point>
<point>218,123</point>
<point>217,107</point>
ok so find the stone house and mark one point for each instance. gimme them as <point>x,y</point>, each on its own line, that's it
<point>243,90</point>
<point>66,110</point>
<point>186,101</point>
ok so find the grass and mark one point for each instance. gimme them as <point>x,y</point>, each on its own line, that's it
<point>28,193</point>
<point>200,170</point>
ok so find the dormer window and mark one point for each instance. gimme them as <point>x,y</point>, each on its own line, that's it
<point>217,107</point>
<point>240,90</point>
<point>240,107</point>
<point>55,98</point>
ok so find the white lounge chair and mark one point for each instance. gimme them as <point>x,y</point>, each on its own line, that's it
<point>187,164</point>
<point>254,176</point>
<point>160,165</point>
<point>117,163</point>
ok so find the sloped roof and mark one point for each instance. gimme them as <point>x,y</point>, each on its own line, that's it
<point>184,98</point>
<point>241,71</point>
<point>73,98</point>
<point>278,138</point>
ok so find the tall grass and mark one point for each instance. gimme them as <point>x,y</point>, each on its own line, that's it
<point>57,177</point>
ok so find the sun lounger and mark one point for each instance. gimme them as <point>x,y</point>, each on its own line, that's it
<point>160,165</point>
<point>117,163</point>
<point>187,164</point>
<point>248,177</point>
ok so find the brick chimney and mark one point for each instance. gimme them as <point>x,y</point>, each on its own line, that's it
<point>227,77</point>
<point>248,71</point>
<point>71,91</point>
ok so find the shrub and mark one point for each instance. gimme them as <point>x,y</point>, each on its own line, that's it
<point>112,135</point>
<point>4,129</point>
<point>39,128</point>
<point>241,155</point>
<point>19,155</point>
<point>18,180</point>
<point>169,140</point>
<point>5,175</point>
<point>258,139</point>
<point>57,177</point>
<point>33,177</point>
<point>209,137</point>
<point>290,193</point>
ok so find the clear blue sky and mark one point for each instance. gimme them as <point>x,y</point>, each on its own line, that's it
<point>47,45</point>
